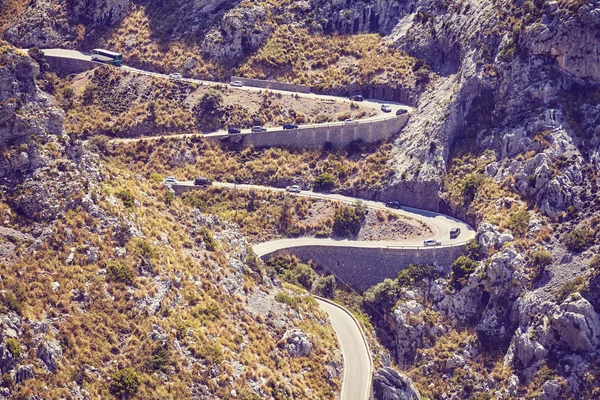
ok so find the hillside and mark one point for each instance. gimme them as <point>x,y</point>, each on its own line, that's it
<point>504,135</point>
<point>109,287</point>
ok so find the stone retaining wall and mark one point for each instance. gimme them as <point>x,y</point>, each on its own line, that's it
<point>66,66</point>
<point>362,267</point>
<point>335,135</point>
<point>259,83</point>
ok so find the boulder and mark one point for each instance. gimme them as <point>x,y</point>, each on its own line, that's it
<point>389,384</point>
<point>50,352</point>
<point>297,343</point>
<point>577,324</point>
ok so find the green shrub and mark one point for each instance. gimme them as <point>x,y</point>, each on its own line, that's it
<point>100,143</point>
<point>206,235</point>
<point>161,357</point>
<point>124,383</point>
<point>14,347</point>
<point>415,273</point>
<point>579,239</point>
<point>595,263</point>
<point>382,296</point>
<point>285,298</point>
<point>519,222</point>
<point>473,249</point>
<point>10,301</point>
<point>323,183</point>
<point>347,221</point>
<point>471,184</point>
<point>325,286</point>
<point>462,267</point>
<point>120,273</point>
<point>572,286</point>
<point>126,197</point>
<point>542,258</point>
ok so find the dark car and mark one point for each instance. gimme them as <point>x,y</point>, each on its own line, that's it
<point>290,126</point>
<point>401,111</point>
<point>233,130</point>
<point>357,97</point>
<point>454,233</point>
<point>258,128</point>
<point>393,204</point>
<point>202,181</point>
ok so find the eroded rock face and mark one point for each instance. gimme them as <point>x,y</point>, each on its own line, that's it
<point>106,12</point>
<point>44,24</point>
<point>577,324</point>
<point>411,330</point>
<point>240,32</point>
<point>50,353</point>
<point>389,384</point>
<point>24,110</point>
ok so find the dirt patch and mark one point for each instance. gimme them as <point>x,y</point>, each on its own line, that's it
<point>382,225</point>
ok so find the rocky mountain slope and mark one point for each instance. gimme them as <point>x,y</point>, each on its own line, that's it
<point>109,287</point>
<point>505,134</point>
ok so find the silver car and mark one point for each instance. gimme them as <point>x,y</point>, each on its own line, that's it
<point>175,76</point>
<point>170,180</point>
<point>386,108</point>
<point>432,242</point>
<point>293,189</point>
<point>236,84</point>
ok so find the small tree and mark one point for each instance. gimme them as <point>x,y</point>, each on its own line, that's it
<point>124,383</point>
<point>347,221</point>
<point>323,183</point>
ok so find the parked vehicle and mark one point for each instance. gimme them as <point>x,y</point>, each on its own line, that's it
<point>258,128</point>
<point>232,130</point>
<point>290,126</point>
<point>293,189</point>
<point>386,108</point>
<point>237,84</point>
<point>393,204</point>
<point>454,233</point>
<point>202,181</point>
<point>350,120</point>
<point>401,111</point>
<point>432,242</point>
<point>170,180</point>
<point>175,76</point>
<point>357,97</point>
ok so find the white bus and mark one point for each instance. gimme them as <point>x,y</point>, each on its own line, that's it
<point>105,56</point>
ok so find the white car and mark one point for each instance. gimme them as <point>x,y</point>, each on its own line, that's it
<point>432,242</point>
<point>350,121</point>
<point>386,108</point>
<point>293,189</point>
<point>170,180</point>
<point>175,76</point>
<point>237,84</point>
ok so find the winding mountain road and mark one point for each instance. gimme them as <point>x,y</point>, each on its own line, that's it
<point>440,224</point>
<point>367,103</point>
<point>358,365</point>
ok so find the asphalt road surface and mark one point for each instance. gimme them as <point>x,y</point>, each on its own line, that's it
<point>357,361</point>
